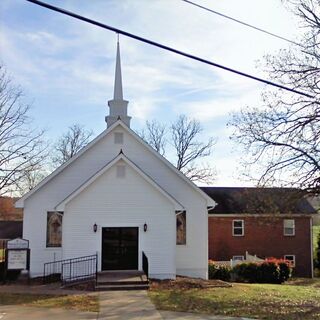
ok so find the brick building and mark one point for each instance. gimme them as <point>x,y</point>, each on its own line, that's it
<point>266,222</point>
<point>8,212</point>
<point>10,221</point>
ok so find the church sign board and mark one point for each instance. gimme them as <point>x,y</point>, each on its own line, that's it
<point>18,244</point>
<point>18,254</point>
<point>17,259</point>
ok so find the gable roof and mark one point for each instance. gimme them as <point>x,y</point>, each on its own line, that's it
<point>210,201</point>
<point>121,156</point>
<point>237,200</point>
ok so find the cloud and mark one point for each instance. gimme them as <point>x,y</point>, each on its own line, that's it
<point>67,66</point>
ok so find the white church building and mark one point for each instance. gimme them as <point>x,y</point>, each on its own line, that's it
<point>118,198</point>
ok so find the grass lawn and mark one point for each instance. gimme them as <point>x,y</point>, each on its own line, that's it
<point>83,302</point>
<point>299,299</point>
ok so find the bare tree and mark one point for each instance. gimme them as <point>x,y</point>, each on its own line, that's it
<point>155,135</point>
<point>70,143</point>
<point>33,177</point>
<point>22,149</point>
<point>189,150</point>
<point>283,135</point>
<point>183,136</point>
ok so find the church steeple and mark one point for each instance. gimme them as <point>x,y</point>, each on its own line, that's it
<point>118,106</point>
<point>118,93</point>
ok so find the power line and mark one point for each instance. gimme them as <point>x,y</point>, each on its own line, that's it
<point>242,22</point>
<point>156,44</point>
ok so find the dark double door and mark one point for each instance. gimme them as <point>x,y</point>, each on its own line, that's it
<point>120,248</point>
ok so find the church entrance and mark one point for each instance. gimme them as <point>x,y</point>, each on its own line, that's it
<point>119,248</point>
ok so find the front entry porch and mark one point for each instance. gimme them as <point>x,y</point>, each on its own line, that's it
<point>122,280</point>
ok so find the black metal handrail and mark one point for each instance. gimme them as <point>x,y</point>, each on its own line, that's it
<point>71,270</point>
<point>79,270</point>
<point>145,264</point>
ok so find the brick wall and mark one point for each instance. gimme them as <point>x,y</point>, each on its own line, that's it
<point>264,237</point>
<point>8,212</point>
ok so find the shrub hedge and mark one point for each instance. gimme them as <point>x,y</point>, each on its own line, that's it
<point>270,271</point>
<point>219,272</point>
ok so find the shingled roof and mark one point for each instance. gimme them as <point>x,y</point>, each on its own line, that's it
<point>237,200</point>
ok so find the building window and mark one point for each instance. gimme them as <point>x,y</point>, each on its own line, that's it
<point>54,229</point>
<point>239,258</point>
<point>181,228</point>
<point>118,138</point>
<point>291,258</point>
<point>237,228</point>
<point>288,227</point>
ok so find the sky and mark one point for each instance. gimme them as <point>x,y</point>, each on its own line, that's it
<point>66,67</point>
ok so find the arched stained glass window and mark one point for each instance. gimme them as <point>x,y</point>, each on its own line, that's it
<point>54,229</point>
<point>181,228</point>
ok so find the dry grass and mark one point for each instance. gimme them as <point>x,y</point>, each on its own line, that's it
<point>299,299</point>
<point>189,283</point>
<point>83,302</point>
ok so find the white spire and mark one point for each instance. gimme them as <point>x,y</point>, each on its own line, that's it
<point>118,106</point>
<point>118,94</point>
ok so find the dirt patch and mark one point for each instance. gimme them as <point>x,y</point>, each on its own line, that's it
<point>188,283</point>
<point>85,286</point>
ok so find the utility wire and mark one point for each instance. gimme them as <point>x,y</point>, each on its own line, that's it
<point>242,22</point>
<point>156,44</point>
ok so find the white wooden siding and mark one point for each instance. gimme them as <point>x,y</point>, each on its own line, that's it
<point>122,202</point>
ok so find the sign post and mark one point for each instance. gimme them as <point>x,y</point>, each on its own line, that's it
<point>17,255</point>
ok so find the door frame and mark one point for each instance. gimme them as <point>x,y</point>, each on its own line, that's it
<point>121,226</point>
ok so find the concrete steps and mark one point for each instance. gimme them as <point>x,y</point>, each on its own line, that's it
<point>119,287</point>
<point>122,280</point>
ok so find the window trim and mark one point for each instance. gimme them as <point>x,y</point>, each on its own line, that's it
<point>293,261</point>
<point>186,231</point>
<point>242,228</point>
<point>293,228</point>
<point>53,246</point>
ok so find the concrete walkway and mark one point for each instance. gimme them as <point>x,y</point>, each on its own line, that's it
<point>125,305</point>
